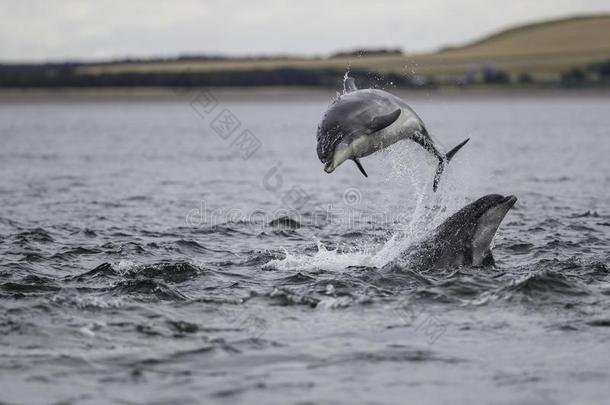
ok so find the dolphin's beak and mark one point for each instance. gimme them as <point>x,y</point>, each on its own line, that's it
<point>340,155</point>
<point>509,200</point>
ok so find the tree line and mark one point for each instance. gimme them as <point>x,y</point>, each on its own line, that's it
<point>58,75</point>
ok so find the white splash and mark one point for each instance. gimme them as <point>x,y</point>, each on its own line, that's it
<point>345,77</point>
<point>323,259</point>
<point>411,167</point>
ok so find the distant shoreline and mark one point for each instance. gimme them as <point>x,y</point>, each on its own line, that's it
<point>280,92</point>
<point>572,53</point>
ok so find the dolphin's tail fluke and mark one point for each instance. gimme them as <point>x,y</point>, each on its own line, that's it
<point>444,161</point>
<point>455,150</point>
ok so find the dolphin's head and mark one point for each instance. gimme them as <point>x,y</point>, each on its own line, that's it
<point>469,233</point>
<point>349,117</point>
<point>332,148</point>
<point>336,132</point>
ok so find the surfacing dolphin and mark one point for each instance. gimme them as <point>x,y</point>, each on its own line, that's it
<point>361,122</point>
<point>462,239</point>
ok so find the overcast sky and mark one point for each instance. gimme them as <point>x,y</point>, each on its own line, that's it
<point>76,29</point>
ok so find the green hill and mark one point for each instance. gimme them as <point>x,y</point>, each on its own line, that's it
<point>544,50</point>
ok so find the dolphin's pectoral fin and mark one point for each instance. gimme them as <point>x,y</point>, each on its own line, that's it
<point>357,161</point>
<point>383,121</point>
<point>350,85</point>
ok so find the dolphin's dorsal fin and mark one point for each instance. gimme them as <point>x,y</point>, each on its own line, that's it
<point>383,121</point>
<point>350,85</point>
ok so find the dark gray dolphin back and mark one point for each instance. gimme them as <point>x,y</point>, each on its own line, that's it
<point>452,238</point>
<point>466,218</point>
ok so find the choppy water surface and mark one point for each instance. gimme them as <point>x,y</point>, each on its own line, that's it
<point>139,262</point>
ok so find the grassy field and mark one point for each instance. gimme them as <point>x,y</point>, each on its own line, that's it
<point>543,50</point>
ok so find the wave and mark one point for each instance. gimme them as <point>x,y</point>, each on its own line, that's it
<point>31,284</point>
<point>147,288</point>
<point>544,283</point>
<point>33,235</point>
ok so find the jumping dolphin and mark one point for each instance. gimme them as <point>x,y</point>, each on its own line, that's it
<point>360,122</point>
<point>462,239</point>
